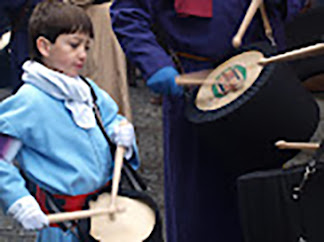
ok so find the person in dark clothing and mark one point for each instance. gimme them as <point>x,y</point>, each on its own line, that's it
<point>16,13</point>
<point>199,199</point>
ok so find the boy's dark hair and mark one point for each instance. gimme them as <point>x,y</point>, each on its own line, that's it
<point>52,18</point>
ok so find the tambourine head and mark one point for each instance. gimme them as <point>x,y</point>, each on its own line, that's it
<point>135,224</point>
<point>238,73</point>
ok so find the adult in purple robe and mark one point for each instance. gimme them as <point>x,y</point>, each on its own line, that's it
<point>200,196</point>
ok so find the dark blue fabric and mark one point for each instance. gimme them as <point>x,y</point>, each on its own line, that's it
<point>200,195</point>
<point>11,10</point>
<point>210,37</point>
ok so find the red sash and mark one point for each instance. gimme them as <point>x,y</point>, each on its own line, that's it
<point>200,8</point>
<point>66,203</point>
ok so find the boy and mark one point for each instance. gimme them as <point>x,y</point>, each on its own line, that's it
<point>50,128</point>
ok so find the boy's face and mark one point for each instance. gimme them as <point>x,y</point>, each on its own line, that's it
<point>68,54</point>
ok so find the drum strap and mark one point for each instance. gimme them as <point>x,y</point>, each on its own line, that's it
<point>310,169</point>
<point>134,180</point>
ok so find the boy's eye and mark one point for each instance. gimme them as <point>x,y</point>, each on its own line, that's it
<point>74,45</point>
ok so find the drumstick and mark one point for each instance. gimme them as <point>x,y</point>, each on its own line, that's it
<point>266,24</point>
<point>113,208</point>
<point>296,145</point>
<point>200,78</point>
<point>195,78</point>
<point>119,157</point>
<point>66,216</point>
<point>294,54</point>
<point>237,40</point>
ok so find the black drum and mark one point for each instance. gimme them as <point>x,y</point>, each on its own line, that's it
<point>271,106</point>
<point>140,220</point>
<point>305,30</point>
<point>270,212</point>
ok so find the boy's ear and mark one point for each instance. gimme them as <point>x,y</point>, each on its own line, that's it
<point>43,46</point>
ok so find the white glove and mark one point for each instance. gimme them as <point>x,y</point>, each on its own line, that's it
<point>124,135</point>
<point>27,212</point>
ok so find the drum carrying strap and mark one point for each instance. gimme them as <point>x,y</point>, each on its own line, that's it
<point>310,169</point>
<point>131,176</point>
<point>133,179</point>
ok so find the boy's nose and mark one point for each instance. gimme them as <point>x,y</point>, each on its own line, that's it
<point>83,54</point>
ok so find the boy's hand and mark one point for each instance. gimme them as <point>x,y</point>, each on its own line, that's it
<point>124,135</point>
<point>163,82</point>
<point>28,213</point>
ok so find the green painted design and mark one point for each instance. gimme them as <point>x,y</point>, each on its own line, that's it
<point>241,69</point>
<point>234,70</point>
<point>216,93</point>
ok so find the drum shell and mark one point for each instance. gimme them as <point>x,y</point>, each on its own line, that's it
<point>269,212</point>
<point>156,234</point>
<point>305,30</point>
<point>243,134</point>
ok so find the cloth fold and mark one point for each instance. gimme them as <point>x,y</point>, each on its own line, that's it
<point>75,93</point>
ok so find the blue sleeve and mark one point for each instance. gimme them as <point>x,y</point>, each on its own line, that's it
<point>12,111</point>
<point>12,185</point>
<point>132,21</point>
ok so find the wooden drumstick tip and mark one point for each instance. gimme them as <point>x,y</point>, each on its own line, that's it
<point>113,209</point>
<point>237,41</point>
<point>280,143</point>
<point>263,62</point>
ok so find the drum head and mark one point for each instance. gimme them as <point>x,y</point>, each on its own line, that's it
<point>244,66</point>
<point>135,224</point>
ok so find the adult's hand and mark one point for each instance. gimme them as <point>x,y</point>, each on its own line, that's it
<point>163,82</point>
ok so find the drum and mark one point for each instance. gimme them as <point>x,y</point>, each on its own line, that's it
<point>140,220</point>
<point>304,30</point>
<point>243,126</point>
<point>269,211</point>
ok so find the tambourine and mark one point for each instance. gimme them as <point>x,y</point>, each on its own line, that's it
<point>243,125</point>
